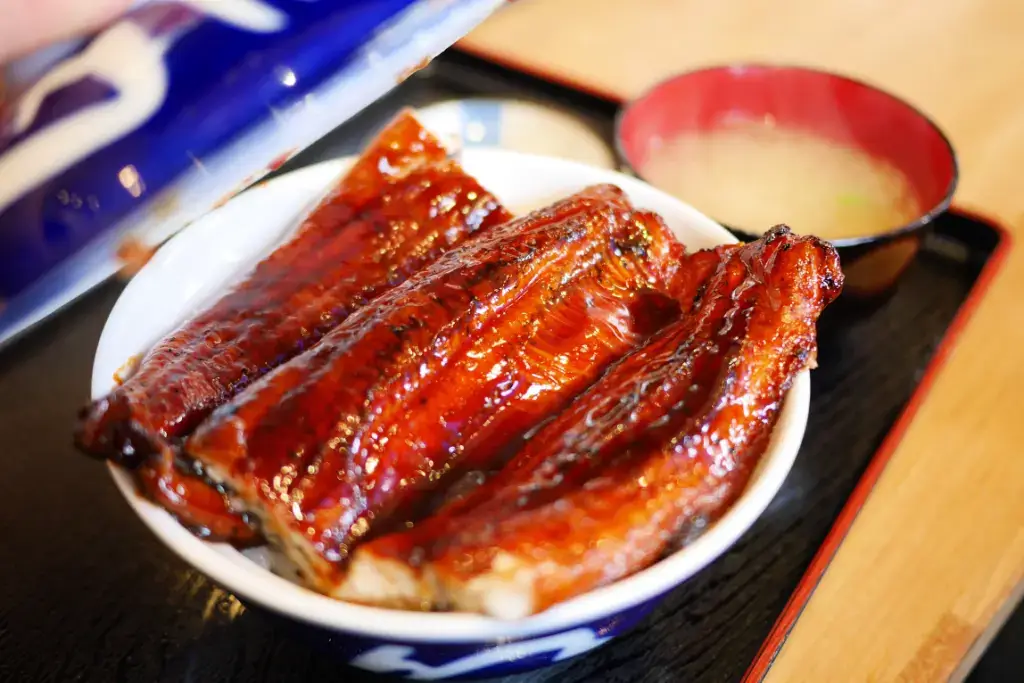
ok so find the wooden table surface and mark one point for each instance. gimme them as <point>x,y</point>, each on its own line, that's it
<point>935,557</point>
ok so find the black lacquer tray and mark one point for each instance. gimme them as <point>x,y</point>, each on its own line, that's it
<point>88,594</point>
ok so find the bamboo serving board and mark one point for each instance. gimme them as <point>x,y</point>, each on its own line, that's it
<point>927,559</point>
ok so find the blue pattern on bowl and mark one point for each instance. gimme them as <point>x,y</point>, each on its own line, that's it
<point>481,122</point>
<point>469,660</point>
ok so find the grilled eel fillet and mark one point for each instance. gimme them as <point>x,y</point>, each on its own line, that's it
<point>647,457</point>
<point>400,206</point>
<point>440,374</point>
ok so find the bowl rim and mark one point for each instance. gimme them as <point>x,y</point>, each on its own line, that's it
<point>279,595</point>
<point>918,223</point>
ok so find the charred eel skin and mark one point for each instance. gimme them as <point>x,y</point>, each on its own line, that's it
<point>397,209</point>
<point>646,458</point>
<point>440,374</point>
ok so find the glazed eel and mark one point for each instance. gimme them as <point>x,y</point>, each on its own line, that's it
<point>646,458</point>
<point>400,206</point>
<point>440,375</point>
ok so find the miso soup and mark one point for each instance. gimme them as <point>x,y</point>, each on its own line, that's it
<point>751,176</point>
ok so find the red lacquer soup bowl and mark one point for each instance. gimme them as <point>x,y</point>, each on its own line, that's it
<point>841,110</point>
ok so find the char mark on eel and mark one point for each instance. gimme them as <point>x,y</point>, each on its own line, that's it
<point>438,376</point>
<point>644,460</point>
<point>401,205</point>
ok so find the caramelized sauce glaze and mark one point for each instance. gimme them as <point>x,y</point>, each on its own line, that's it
<point>441,373</point>
<point>651,453</point>
<point>400,206</point>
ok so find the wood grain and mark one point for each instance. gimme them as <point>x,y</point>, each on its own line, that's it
<point>938,549</point>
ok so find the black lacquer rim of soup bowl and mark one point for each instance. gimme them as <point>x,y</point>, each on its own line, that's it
<point>917,224</point>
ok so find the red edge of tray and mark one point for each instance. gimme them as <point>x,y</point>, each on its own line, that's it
<point>801,595</point>
<point>823,558</point>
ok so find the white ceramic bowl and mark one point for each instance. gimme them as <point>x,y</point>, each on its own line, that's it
<point>195,266</point>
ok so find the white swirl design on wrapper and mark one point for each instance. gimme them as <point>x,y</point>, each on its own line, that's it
<point>250,15</point>
<point>395,659</point>
<point>385,56</point>
<point>125,57</point>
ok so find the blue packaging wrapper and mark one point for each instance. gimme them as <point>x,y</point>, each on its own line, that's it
<point>175,107</point>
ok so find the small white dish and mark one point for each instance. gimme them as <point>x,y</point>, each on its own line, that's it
<point>519,126</point>
<point>194,267</point>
